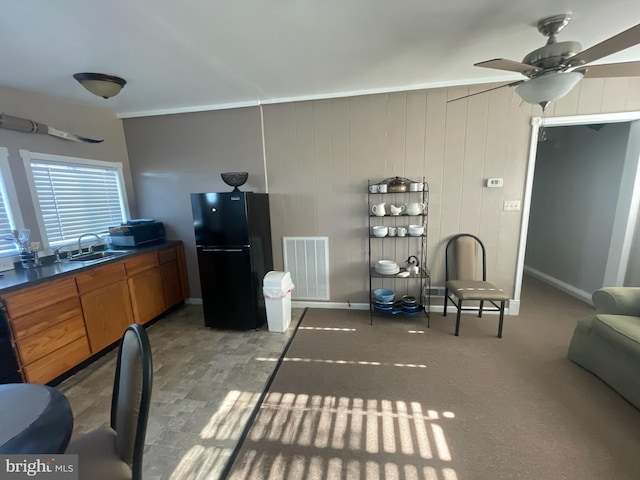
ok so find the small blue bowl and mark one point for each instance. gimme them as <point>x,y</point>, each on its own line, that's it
<point>384,294</point>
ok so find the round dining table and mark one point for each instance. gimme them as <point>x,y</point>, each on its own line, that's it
<point>34,419</point>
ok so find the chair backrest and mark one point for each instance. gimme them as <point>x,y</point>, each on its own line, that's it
<point>132,396</point>
<point>461,258</point>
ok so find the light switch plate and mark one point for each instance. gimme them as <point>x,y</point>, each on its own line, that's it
<point>511,205</point>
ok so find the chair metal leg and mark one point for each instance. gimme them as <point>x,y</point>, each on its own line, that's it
<point>446,297</point>
<point>481,307</point>
<point>459,306</point>
<point>501,319</point>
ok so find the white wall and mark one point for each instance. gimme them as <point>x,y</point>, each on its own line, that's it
<point>319,155</point>
<point>85,121</point>
<point>176,155</point>
<point>576,187</point>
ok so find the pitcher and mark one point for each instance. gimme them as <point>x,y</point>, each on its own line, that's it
<point>378,209</point>
<point>415,208</point>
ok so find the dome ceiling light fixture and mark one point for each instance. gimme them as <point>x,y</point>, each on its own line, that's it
<point>105,86</point>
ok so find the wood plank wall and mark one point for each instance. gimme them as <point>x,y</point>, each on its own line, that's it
<point>320,154</point>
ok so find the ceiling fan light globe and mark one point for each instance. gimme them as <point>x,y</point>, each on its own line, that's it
<point>548,87</point>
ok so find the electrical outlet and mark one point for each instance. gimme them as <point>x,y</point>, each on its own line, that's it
<point>494,182</point>
<point>511,205</point>
<point>6,263</point>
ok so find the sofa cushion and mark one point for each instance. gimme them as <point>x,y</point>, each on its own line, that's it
<point>622,330</point>
<point>584,325</point>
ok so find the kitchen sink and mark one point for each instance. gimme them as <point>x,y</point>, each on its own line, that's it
<point>95,257</point>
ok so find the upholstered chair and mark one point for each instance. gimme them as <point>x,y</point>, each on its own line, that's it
<point>466,279</point>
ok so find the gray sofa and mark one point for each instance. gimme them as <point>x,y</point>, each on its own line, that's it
<point>607,343</point>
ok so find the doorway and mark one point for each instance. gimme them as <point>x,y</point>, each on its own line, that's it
<point>624,207</point>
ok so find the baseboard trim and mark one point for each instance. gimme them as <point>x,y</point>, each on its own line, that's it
<point>559,284</point>
<point>513,307</point>
<point>337,305</point>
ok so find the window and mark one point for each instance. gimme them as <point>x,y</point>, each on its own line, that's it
<point>75,196</point>
<point>9,213</point>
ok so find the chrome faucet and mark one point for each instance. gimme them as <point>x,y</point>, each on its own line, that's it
<point>90,249</point>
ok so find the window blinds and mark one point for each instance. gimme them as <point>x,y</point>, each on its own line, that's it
<point>76,199</point>
<point>7,244</point>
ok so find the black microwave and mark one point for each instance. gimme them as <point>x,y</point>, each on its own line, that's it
<point>135,234</point>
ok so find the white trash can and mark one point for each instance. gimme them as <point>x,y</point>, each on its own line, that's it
<point>277,288</point>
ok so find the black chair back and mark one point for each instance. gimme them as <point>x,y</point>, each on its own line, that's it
<point>132,396</point>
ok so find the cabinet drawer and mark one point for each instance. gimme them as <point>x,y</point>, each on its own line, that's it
<point>30,299</point>
<point>40,320</point>
<point>100,277</point>
<point>37,346</point>
<point>141,263</point>
<point>58,362</point>
<point>167,255</point>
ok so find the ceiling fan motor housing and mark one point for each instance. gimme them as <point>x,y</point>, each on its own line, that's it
<point>552,56</point>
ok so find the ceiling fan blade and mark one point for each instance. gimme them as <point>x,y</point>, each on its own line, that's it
<point>626,69</point>
<point>509,65</point>
<point>512,84</point>
<point>619,42</point>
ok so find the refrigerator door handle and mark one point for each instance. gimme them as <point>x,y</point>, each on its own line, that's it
<point>222,250</point>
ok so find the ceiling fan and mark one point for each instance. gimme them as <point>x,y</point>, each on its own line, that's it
<point>553,70</point>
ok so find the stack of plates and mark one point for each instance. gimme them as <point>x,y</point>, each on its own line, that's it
<point>387,267</point>
<point>383,307</point>
<point>410,306</point>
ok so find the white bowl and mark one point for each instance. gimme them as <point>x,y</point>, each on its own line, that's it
<point>416,230</point>
<point>380,231</point>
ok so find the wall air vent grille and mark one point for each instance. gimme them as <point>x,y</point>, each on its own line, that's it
<point>307,259</point>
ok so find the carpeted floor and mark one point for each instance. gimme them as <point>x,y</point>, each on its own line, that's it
<point>398,400</point>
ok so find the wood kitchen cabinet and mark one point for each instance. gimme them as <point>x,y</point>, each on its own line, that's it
<point>104,294</point>
<point>48,329</point>
<point>145,286</point>
<point>58,324</point>
<point>171,280</point>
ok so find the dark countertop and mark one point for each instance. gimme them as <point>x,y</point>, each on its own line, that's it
<point>20,278</point>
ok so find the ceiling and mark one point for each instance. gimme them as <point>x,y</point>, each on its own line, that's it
<point>198,55</point>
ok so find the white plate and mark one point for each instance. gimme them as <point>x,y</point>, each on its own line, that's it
<point>387,271</point>
<point>404,274</point>
<point>387,263</point>
<point>384,268</point>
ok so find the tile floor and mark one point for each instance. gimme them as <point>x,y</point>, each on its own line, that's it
<point>206,385</point>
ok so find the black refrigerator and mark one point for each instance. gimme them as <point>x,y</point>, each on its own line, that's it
<point>233,242</point>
